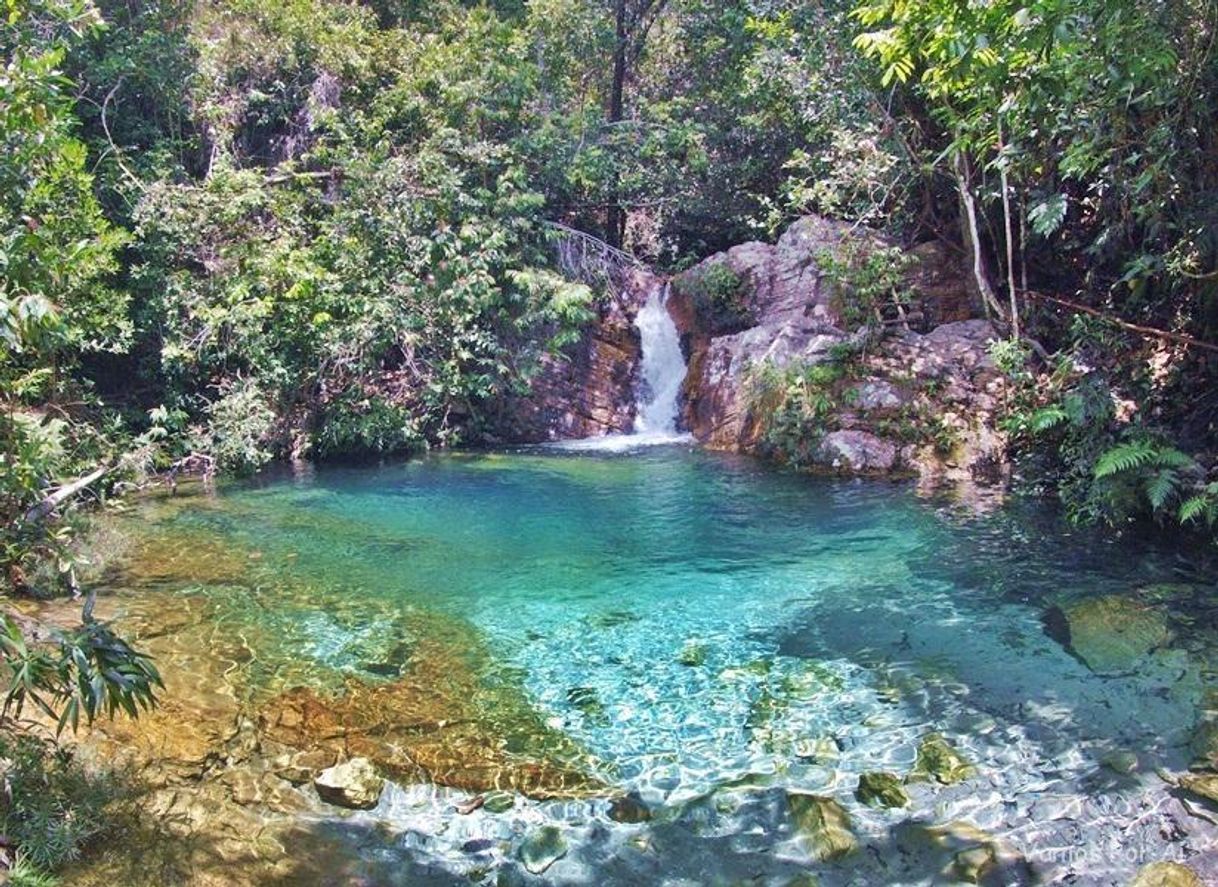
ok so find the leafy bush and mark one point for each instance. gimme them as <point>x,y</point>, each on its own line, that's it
<point>51,807</point>
<point>794,405</point>
<point>867,280</point>
<point>238,429</point>
<point>719,296</point>
<point>370,426</point>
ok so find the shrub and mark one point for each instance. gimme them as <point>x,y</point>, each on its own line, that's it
<point>366,426</point>
<point>795,405</point>
<point>718,296</point>
<point>52,808</point>
<point>239,426</point>
<point>867,280</point>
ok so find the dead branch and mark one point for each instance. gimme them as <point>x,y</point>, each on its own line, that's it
<point>1178,338</point>
<point>63,494</point>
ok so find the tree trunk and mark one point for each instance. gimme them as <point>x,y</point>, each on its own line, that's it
<point>615,217</point>
<point>982,278</point>
<point>1010,238</point>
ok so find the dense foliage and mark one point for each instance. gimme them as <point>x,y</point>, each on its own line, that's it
<point>240,230</point>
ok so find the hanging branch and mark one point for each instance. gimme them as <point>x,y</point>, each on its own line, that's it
<point>964,183</point>
<point>586,258</point>
<point>1178,338</point>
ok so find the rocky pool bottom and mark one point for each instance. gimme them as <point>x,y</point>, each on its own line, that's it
<point>654,668</point>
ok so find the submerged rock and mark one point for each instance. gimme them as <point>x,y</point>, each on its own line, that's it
<point>1110,634</point>
<point>354,783</point>
<point>1204,785</point>
<point>301,767</point>
<point>1123,762</point>
<point>1166,874</point>
<point>692,654</point>
<point>879,789</point>
<point>499,802</point>
<point>542,849</point>
<point>964,853</point>
<point>823,824</point>
<point>940,762</point>
<point>820,750</point>
<point>630,809</point>
<point>1204,742</point>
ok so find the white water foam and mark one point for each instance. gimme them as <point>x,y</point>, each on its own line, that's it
<point>663,372</point>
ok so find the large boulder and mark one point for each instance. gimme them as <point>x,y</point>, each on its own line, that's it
<point>1111,634</point>
<point>857,452</point>
<point>354,783</point>
<point>822,824</point>
<point>788,301</point>
<point>940,385</point>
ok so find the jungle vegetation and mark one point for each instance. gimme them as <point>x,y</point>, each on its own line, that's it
<point>240,230</point>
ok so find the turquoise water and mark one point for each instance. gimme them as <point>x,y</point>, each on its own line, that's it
<point>717,633</point>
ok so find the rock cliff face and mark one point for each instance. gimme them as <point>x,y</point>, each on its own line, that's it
<point>922,401</point>
<point>788,316</point>
<point>589,389</point>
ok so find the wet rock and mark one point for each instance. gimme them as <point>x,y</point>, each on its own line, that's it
<point>820,750</point>
<point>542,849</point>
<point>692,654</point>
<point>975,863</point>
<point>244,786</point>
<point>804,879</point>
<point>1123,762</point>
<point>589,389</point>
<point>964,853</point>
<point>477,845</point>
<point>443,721</point>
<point>1204,742</point>
<point>301,767</point>
<point>354,783</point>
<point>823,825</point>
<point>1166,874</point>
<point>499,802</point>
<point>1110,634</point>
<point>879,789</point>
<point>1204,785</point>
<point>938,761</point>
<point>587,701</point>
<point>630,809</point>
<point>856,452</point>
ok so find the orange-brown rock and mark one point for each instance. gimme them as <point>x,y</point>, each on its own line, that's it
<point>442,722</point>
<point>589,389</point>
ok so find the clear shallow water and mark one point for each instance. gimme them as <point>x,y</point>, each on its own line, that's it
<point>715,633</point>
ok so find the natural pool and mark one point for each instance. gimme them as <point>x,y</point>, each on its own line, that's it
<point>707,637</point>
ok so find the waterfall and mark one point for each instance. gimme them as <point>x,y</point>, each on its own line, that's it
<point>662,368</point>
<point>662,373</point>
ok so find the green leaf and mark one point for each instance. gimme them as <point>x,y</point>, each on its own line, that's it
<point>1048,215</point>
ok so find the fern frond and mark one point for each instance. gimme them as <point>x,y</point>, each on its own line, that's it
<point>1125,457</point>
<point>1169,457</point>
<point>1049,417</point>
<point>1161,487</point>
<point>1197,507</point>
